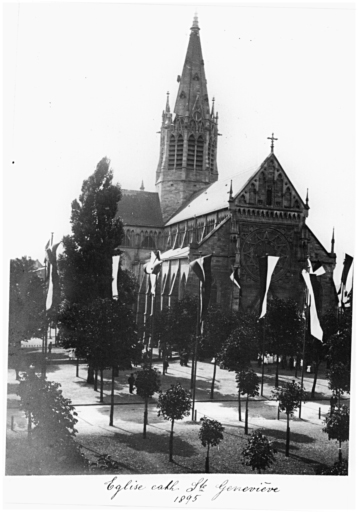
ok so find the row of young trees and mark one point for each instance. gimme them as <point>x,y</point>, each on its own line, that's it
<point>233,340</point>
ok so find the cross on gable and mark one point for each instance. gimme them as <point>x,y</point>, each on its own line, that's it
<point>272,138</point>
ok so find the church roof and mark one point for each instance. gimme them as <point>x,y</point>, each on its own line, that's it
<point>215,197</point>
<point>139,208</point>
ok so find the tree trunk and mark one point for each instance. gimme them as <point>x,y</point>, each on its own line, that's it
<point>95,387</point>
<point>213,382</point>
<point>90,374</point>
<point>340,451</point>
<point>296,367</point>
<point>288,435</point>
<point>145,418</point>
<point>171,443</point>
<point>29,429</point>
<point>101,395</point>
<point>239,404</point>
<point>247,415</point>
<point>207,469</point>
<point>116,371</point>
<point>164,356</point>
<point>276,378</point>
<point>112,399</point>
<point>314,380</point>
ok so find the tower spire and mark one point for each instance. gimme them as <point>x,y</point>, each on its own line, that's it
<point>213,108</point>
<point>332,242</point>
<point>307,199</point>
<point>188,143</point>
<point>195,26</point>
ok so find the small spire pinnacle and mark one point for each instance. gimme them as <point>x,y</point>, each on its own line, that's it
<point>212,108</point>
<point>167,107</point>
<point>142,186</point>
<point>307,198</point>
<point>332,242</point>
<point>195,26</point>
<point>272,138</point>
<point>230,192</point>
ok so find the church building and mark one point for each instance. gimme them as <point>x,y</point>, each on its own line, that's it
<point>194,213</point>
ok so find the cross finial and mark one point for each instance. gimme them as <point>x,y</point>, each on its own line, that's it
<point>272,138</point>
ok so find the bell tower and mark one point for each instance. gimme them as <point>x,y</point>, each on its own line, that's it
<point>188,136</point>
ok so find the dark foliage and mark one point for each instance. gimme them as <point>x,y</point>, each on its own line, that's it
<point>176,326</point>
<point>259,453</point>
<point>339,469</point>
<point>51,415</point>
<point>242,345</point>
<point>102,331</point>
<point>337,424</point>
<point>211,432</point>
<point>175,403</point>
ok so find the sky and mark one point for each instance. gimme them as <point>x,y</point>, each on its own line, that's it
<point>88,80</point>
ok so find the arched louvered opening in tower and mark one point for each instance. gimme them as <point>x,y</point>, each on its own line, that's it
<point>199,153</point>
<point>180,149</point>
<point>191,152</point>
<point>171,160</point>
<point>211,154</point>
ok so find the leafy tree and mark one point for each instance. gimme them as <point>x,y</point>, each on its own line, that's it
<point>248,384</point>
<point>241,347</point>
<point>218,326</point>
<point>339,347</point>
<point>337,426</point>
<point>177,325</point>
<point>147,383</point>
<point>289,397</point>
<point>26,307</point>
<point>316,351</point>
<point>210,434</point>
<point>338,469</point>
<point>104,333</point>
<point>259,452</point>
<point>284,329</point>
<point>51,415</point>
<point>173,405</point>
<point>86,276</point>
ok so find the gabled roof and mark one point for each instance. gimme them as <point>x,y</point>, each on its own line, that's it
<point>139,208</point>
<point>212,198</point>
<point>215,197</point>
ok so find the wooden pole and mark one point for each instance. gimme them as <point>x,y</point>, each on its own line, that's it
<point>303,361</point>
<point>112,400</point>
<point>198,326</point>
<point>263,356</point>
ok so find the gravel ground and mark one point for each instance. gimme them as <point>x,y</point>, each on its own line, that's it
<point>124,442</point>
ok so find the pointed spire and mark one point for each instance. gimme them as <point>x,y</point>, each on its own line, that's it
<point>167,107</point>
<point>142,186</point>
<point>307,199</point>
<point>193,80</point>
<point>332,242</point>
<point>230,192</point>
<point>212,108</point>
<point>195,26</point>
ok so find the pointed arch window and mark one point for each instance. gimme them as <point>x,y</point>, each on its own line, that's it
<point>211,153</point>
<point>199,153</point>
<point>191,152</point>
<point>180,148</point>
<point>171,161</point>
<point>269,195</point>
<point>287,198</point>
<point>252,194</point>
<point>195,158</point>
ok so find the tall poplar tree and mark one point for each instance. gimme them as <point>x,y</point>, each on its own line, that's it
<point>86,276</point>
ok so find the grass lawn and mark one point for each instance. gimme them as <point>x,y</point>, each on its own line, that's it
<point>124,441</point>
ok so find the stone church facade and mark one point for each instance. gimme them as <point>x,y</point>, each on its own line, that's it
<point>235,220</point>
